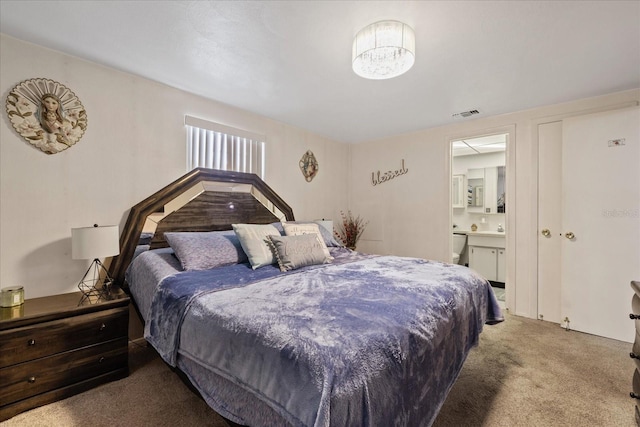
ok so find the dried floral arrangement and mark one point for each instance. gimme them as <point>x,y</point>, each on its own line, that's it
<point>351,229</point>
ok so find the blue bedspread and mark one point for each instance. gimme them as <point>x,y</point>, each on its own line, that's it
<point>365,341</point>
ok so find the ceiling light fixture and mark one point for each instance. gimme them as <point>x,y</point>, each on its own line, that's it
<point>384,50</point>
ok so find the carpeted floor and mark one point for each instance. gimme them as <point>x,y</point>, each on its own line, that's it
<point>524,373</point>
<point>532,373</point>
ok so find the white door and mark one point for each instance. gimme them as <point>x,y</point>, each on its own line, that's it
<point>549,220</point>
<point>600,221</point>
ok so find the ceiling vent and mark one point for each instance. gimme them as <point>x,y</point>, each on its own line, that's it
<point>466,113</point>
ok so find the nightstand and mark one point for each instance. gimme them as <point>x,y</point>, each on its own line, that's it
<point>52,348</point>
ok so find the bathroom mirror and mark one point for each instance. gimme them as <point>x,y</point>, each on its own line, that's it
<point>486,190</point>
<point>475,190</point>
<point>501,202</point>
<point>482,162</point>
<point>494,195</point>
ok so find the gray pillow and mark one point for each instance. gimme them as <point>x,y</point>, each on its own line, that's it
<point>205,250</point>
<point>293,252</point>
<point>327,235</point>
<point>297,229</point>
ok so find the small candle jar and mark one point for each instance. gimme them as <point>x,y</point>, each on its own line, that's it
<point>12,296</point>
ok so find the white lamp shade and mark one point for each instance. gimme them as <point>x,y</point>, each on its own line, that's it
<point>95,242</point>
<point>383,50</point>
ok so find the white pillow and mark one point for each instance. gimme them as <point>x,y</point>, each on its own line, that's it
<point>255,242</point>
<point>293,229</point>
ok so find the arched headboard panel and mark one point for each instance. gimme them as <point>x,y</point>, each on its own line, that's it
<point>201,200</point>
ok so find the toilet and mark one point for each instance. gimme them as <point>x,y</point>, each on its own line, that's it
<point>459,242</point>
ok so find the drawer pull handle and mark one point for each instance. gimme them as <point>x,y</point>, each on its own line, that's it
<point>634,395</point>
<point>31,380</point>
<point>634,356</point>
<point>32,342</point>
<point>634,316</point>
<point>101,360</point>
<point>103,327</point>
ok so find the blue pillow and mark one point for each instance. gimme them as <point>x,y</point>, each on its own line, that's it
<point>145,238</point>
<point>204,250</point>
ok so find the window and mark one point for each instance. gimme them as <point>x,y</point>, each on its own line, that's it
<point>215,146</point>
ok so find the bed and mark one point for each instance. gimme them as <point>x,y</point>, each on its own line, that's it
<point>323,336</point>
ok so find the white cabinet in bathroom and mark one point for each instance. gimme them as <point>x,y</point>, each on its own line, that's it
<point>457,191</point>
<point>484,261</point>
<point>502,266</point>
<point>487,256</point>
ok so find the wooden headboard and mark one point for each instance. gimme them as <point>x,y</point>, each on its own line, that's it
<point>201,200</point>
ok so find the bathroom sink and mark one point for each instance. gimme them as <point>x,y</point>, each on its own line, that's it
<point>489,233</point>
<point>481,233</point>
<point>487,239</point>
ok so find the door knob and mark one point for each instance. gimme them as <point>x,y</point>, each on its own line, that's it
<point>545,232</point>
<point>570,235</point>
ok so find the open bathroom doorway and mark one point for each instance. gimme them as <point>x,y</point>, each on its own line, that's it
<point>480,206</point>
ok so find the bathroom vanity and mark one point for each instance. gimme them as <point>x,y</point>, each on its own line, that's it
<point>487,254</point>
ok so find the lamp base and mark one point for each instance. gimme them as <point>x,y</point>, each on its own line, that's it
<point>96,286</point>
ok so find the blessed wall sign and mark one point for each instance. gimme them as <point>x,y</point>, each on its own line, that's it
<point>380,177</point>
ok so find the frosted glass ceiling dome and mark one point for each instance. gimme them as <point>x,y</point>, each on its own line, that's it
<point>384,50</point>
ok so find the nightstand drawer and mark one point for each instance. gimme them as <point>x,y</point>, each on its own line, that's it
<point>39,376</point>
<point>32,342</point>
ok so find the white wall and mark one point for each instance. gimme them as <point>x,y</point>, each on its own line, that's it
<point>133,146</point>
<point>410,215</point>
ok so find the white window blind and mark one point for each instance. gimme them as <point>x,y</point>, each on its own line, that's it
<point>215,146</point>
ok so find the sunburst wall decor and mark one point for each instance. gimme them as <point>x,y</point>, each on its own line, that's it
<point>47,114</point>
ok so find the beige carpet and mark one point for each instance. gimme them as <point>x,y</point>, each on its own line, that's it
<point>524,373</point>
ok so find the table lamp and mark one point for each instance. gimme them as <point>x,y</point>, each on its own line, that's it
<point>94,243</point>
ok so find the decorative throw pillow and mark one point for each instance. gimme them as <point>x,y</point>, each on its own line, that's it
<point>145,238</point>
<point>254,240</point>
<point>293,252</point>
<point>327,235</point>
<point>205,250</point>
<point>298,229</point>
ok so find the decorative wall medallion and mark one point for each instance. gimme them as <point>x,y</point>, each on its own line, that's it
<point>47,114</point>
<point>309,165</point>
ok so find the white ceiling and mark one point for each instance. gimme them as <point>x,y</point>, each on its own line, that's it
<point>480,145</point>
<point>291,60</point>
